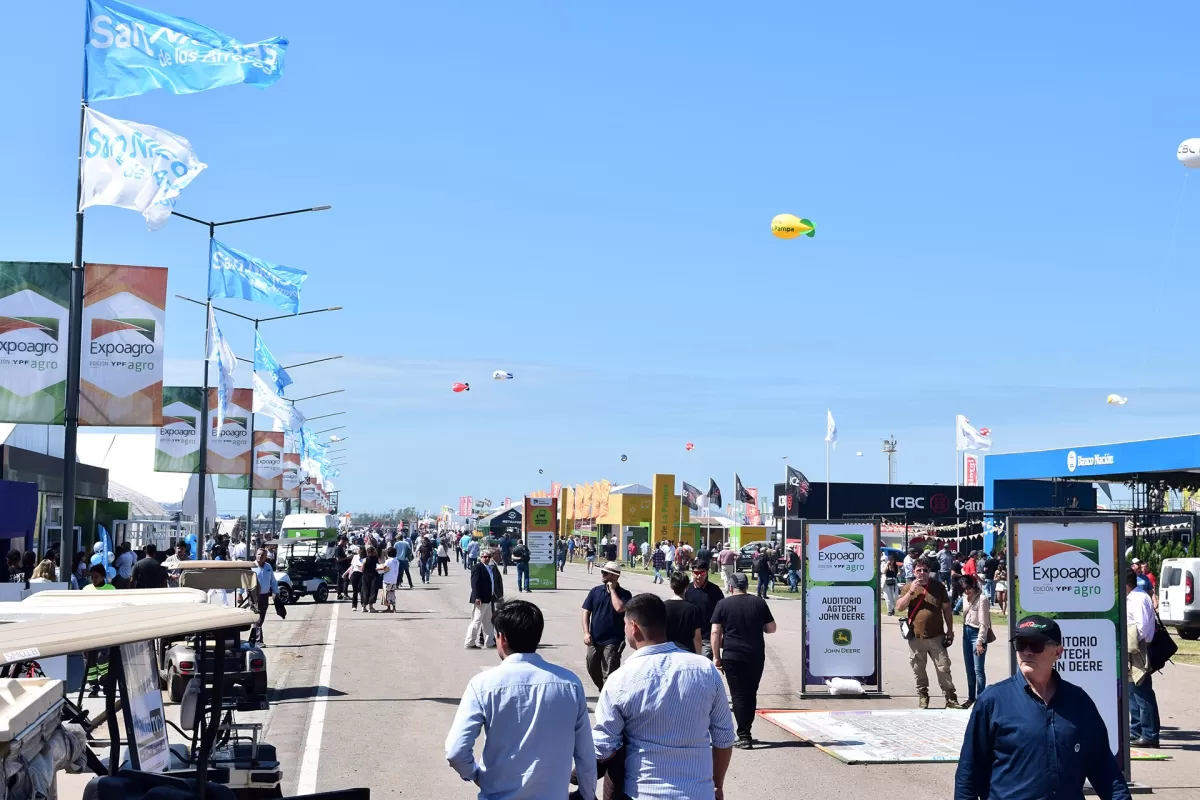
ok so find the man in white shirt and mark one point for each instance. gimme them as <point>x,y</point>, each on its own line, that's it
<point>646,553</point>
<point>237,551</point>
<point>670,554</point>
<point>1143,704</point>
<point>668,709</point>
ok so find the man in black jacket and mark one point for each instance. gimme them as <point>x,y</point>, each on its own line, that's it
<point>485,589</point>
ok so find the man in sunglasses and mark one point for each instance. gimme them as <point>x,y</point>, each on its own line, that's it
<point>932,621</point>
<point>1036,735</point>
<point>704,595</point>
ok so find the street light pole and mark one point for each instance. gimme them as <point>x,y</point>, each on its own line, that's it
<point>201,530</point>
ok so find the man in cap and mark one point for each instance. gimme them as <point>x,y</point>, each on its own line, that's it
<point>1036,734</point>
<point>604,623</point>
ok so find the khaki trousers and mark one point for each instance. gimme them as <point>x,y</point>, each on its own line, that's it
<point>920,651</point>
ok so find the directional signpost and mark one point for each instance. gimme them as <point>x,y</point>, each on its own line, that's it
<point>541,526</point>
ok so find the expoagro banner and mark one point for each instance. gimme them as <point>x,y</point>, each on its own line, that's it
<point>1070,571</point>
<point>34,302</point>
<point>177,443</point>
<point>229,446</point>
<point>841,603</point>
<point>121,377</point>
<point>268,460</point>
<point>541,526</point>
<point>233,482</point>
<point>291,476</point>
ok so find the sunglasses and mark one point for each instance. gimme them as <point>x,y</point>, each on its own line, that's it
<point>1037,647</point>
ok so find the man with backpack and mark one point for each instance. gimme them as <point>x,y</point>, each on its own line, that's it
<point>520,555</point>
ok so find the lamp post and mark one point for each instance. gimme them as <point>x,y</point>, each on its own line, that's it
<point>212,228</point>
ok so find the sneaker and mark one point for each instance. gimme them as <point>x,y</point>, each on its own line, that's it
<point>743,744</point>
<point>923,701</point>
<point>1148,743</point>
<point>470,647</point>
<point>968,704</point>
<point>953,703</point>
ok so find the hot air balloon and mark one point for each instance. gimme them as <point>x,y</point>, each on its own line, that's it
<point>501,375</point>
<point>1116,399</point>
<point>624,457</point>
<point>689,447</point>
<point>461,387</point>
<point>789,226</point>
<point>1189,153</point>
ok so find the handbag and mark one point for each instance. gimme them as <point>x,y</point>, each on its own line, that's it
<point>1161,648</point>
<point>991,637</point>
<point>906,628</point>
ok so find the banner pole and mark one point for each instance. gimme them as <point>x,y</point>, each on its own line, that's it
<point>253,455</point>
<point>827,479</point>
<point>201,531</point>
<point>787,488</point>
<point>74,351</point>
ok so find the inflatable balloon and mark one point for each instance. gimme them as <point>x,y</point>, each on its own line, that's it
<point>1117,400</point>
<point>859,454</point>
<point>539,472</point>
<point>1189,153</point>
<point>789,226</point>
<point>986,431</point>
<point>501,375</point>
<point>624,457</point>
<point>689,447</point>
<point>461,387</point>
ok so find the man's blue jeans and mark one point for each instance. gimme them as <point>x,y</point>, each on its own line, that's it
<point>793,580</point>
<point>522,575</point>
<point>1143,710</point>
<point>658,578</point>
<point>974,663</point>
<point>944,579</point>
<point>990,588</point>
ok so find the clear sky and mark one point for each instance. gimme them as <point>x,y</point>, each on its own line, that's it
<point>581,194</point>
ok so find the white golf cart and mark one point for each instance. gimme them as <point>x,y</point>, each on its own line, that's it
<point>303,562</point>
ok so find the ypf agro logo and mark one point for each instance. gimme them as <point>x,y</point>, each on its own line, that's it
<point>122,337</point>
<point>1067,565</point>
<point>37,335</point>
<point>843,550</point>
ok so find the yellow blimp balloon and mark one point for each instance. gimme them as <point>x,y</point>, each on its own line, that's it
<point>789,226</point>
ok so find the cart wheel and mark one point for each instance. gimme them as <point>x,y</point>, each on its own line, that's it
<point>175,685</point>
<point>322,593</point>
<point>285,594</point>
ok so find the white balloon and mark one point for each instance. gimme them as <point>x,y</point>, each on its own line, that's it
<point>1116,400</point>
<point>1189,153</point>
<point>501,375</point>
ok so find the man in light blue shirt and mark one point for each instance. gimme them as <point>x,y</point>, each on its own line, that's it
<point>668,709</point>
<point>473,552</point>
<point>267,585</point>
<point>535,714</point>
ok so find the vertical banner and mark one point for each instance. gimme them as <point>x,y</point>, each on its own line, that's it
<point>564,520</point>
<point>753,516</point>
<point>229,447</point>
<point>308,495</point>
<point>233,482</point>
<point>541,525</point>
<point>291,477</point>
<point>972,469</point>
<point>464,506</point>
<point>841,624</point>
<point>34,301</point>
<point>177,443</point>
<point>124,313</point>
<point>1071,570</point>
<point>268,460</point>
<point>665,511</point>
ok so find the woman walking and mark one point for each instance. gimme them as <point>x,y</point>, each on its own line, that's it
<point>1002,589</point>
<point>977,624</point>
<point>355,574</point>
<point>370,580</point>
<point>890,573</point>
<point>591,554</point>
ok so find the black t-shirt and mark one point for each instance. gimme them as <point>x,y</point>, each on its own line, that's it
<point>989,568</point>
<point>683,619</point>
<point>742,617</point>
<point>706,600</point>
<point>370,568</point>
<point>149,574</point>
<point>610,552</point>
<point>591,549</point>
<point>607,626</point>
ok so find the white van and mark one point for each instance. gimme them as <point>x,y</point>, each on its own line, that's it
<point>1178,602</point>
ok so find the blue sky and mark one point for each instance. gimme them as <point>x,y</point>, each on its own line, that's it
<point>581,195</point>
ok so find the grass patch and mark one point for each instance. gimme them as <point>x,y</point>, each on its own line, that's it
<point>1189,652</point>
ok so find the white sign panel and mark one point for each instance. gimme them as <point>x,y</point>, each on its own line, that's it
<point>841,631</point>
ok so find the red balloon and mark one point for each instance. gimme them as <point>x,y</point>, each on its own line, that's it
<point>689,447</point>
<point>461,387</point>
<point>985,431</point>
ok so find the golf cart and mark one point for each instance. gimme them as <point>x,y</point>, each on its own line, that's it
<point>245,664</point>
<point>304,566</point>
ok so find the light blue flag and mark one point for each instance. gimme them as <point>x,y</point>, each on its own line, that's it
<point>265,362</point>
<point>133,50</point>
<point>234,274</point>
<point>220,352</point>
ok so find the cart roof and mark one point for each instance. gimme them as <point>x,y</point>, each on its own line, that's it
<point>43,638</point>
<point>54,598</point>
<point>198,565</point>
<point>226,575</point>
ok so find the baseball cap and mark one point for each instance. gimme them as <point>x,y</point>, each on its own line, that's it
<point>740,581</point>
<point>1038,628</point>
<point>1136,561</point>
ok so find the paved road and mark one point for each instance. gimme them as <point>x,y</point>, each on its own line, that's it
<point>396,679</point>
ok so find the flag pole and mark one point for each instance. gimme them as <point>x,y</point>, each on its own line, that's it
<point>827,477</point>
<point>681,508</point>
<point>253,454</point>
<point>74,351</point>
<point>786,490</point>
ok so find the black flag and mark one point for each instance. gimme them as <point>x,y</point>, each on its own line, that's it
<point>739,491</point>
<point>714,493</point>
<point>797,487</point>
<point>691,496</point>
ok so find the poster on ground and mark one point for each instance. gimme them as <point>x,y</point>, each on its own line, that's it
<point>121,373</point>
<point>1071,571</point>
<point>268,460</point>
<point>541,527</point>
<point>229,445</point>
<point>177,443</point>
<point>841,603</point>
<point>34,300</point>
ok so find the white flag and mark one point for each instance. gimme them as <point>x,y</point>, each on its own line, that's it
<point>267,401</point>
<point>220,352</point>
<point>830,428</point>
<point>139,167</point>
<point>967,438</point>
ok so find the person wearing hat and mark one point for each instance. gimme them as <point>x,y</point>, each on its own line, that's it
<point>1036,734</point>
<point>604,623</point>
<point>1145,580</point>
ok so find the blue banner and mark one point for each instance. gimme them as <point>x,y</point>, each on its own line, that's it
<point>244,277</point>
<point>264,361</point>
<point>133,50</point>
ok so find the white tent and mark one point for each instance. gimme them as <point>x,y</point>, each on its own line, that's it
<point>631,488</point>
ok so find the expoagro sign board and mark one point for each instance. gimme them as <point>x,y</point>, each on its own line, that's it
<point>177,443</point>
<point>841,602</point>
<point>541,526</point>
<point>34,297</point>
<point>1071,571</point>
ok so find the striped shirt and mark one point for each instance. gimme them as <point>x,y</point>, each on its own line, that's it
<point>669,708</point>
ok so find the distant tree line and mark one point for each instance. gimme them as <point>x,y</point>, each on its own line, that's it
<point>389,517</point>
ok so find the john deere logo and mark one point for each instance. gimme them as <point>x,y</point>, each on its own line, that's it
<point>189,422</point>
<point>842,637</point>
<point>46,325</point>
